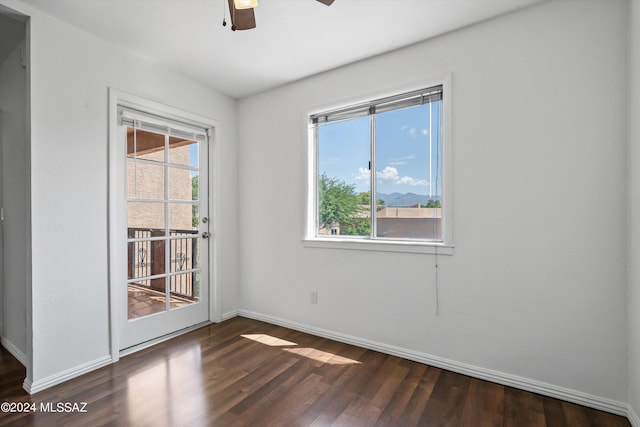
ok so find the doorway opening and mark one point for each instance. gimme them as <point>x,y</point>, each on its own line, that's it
<point>161,234</point>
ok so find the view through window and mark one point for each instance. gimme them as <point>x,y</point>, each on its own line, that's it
<point>380,168</point>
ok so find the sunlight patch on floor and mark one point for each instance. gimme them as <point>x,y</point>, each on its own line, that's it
<point>268,340</point>
<point>321,356</point>
<point>309,353</point>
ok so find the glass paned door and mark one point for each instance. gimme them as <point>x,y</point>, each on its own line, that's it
<point>167,228</point>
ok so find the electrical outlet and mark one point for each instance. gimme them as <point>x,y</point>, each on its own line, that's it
<point>314,297</point>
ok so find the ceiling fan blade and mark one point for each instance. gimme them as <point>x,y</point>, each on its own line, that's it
<point>327,2</point>
<point>241,19</point>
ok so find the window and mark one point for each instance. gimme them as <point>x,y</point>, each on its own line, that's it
<point>378,170</point>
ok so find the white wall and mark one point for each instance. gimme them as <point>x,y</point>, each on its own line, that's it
<point>634,212</point>
<point>71,72</point>
<point>15,200</point>
<point>537,285</point>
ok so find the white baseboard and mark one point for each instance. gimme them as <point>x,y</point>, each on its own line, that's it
<point>634,419</point>
<point>510,380</point>
<point>33,387</point>
<point>15,351</point>
<point>229,315</point>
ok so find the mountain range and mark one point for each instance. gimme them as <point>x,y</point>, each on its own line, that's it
<point>406,199</point>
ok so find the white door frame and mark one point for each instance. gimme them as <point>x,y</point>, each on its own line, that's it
<point>117,200</point>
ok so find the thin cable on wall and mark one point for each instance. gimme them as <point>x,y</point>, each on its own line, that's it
<point>435,257</point>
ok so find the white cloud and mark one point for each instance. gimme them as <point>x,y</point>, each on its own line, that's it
<point>390,175</point>
<point>399,161</point>
<point>363,175</point>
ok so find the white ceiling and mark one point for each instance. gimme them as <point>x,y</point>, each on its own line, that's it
<point>293,38</point>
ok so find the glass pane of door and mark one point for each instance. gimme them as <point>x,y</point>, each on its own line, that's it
<point>162,223</point>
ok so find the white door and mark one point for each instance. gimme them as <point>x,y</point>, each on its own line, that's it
<point>167,227</point>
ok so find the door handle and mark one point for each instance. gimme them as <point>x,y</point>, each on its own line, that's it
<point>206,235</point>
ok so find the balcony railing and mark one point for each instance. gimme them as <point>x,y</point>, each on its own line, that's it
<point>147,260</point>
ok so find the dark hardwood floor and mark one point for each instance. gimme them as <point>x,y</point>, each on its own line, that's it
<point>247,373</point>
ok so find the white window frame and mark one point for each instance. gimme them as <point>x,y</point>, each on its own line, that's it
<point>446,246</point>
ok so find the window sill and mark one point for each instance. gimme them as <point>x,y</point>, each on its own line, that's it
<point>379,245</point>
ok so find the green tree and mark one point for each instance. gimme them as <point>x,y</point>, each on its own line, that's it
<point>364,198</point>
<point>195,187</point>
<point>356,227</point>
<point>340,205</point>
<point>432,204</point>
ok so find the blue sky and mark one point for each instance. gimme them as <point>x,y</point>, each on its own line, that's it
<point>193,155</point>
<point>402,145</point>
